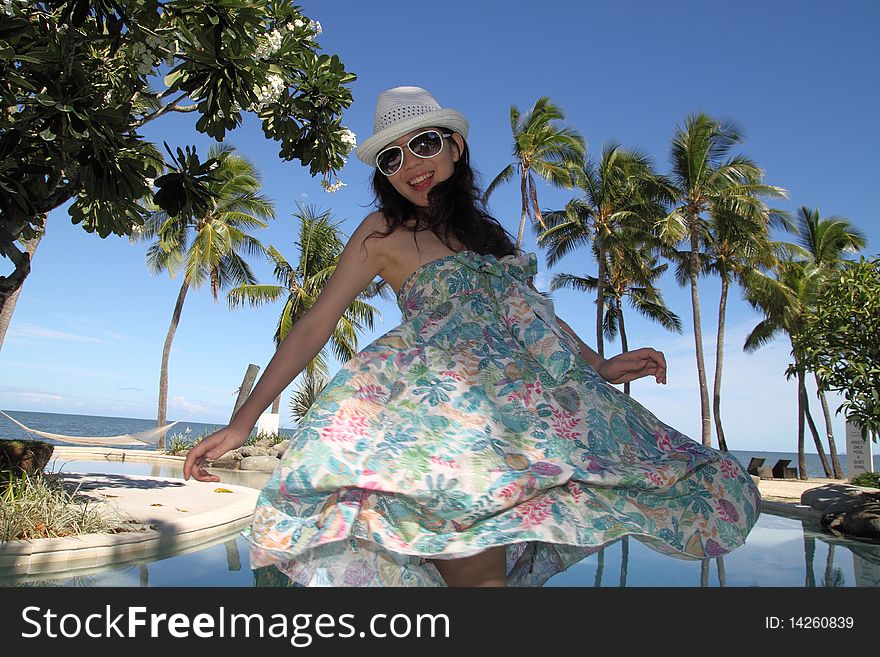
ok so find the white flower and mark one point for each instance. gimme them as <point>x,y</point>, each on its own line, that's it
<point>298,23</point>
<point>332,187</point>
<point>269,45</point>
<point>271,91</point>
<point>318,28</point>
<point>349,139</point>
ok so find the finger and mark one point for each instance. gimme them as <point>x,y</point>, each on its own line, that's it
<point>202,474</point>
<point>661,359</point>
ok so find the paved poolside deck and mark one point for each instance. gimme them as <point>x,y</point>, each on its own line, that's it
<point>177,516</point>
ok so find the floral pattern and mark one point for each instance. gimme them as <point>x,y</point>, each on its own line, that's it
<point>475,423</point>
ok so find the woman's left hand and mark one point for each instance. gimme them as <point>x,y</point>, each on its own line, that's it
<point>635,364</point>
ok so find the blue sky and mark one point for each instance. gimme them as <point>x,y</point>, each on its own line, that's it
<point>800,78</point>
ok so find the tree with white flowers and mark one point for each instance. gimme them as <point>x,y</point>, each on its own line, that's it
<point>80,78</point>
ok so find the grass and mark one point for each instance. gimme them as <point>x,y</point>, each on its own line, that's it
<point>38,506</point>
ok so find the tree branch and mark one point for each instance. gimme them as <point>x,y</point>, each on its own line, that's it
<point>170,107</point>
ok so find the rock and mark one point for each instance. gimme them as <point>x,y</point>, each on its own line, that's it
<point>855,513</point>
<point>228,461</point>
<point>225,464</point>
<point>864,521</point>
<point>819,498</point>
<point>255,450</point>
<point>281,447</point>
<point>259,463</point>
<point>24,456</point>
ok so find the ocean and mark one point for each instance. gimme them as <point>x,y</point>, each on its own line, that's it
<point>93,425</point>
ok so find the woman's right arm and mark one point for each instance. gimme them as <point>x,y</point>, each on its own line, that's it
<point>358,266</point>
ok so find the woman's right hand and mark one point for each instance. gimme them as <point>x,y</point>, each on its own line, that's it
<point>212,447</point>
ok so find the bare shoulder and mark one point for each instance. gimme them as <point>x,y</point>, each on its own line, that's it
<point>370,238</point>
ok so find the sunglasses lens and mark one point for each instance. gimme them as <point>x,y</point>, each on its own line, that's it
<point>389,161</point>
<point>427,144</point>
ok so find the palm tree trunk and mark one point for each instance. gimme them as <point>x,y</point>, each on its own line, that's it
<point>144,575</point>
<point>525,208</point>
<point>832,447</point>
<point>624,343</point>
<point>722,574</point>
<point>719,362</point>
<point>705,419</point>
<point>809,555</point>
<point>624,560</point>
<point>161,416</point>
<point>802,459</point>
<point>8,306</point>
<point>819,449</point>
<point>829,566</point>
<point>600,567</point>
<point>536,211</point>
<point>600,302</point>
<point>704,573</point>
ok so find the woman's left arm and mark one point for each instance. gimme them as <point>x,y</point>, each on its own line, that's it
<point>624,367</point>
<point>593,359</point>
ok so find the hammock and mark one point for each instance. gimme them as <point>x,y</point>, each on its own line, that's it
<point>147,437</point>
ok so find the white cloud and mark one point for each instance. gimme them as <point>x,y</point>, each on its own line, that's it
<point>91,325</point>
<point>57,369</point>
<point>181,406</point>
<point>34,334</point>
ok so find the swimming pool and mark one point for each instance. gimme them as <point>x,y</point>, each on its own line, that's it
<point>780,552</point>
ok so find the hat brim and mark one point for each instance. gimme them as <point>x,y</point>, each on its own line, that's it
<point>443,118</point>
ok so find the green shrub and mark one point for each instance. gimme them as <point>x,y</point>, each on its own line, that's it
<point>38,506</point>
<point>868,479</point>
<point>179,442</point>
<point>274,437</point>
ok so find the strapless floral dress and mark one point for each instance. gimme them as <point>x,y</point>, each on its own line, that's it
<point>475,423</point>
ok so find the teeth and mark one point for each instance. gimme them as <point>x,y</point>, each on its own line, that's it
<point>420,179</point>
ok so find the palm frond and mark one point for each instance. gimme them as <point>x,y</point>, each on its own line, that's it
<point>254,295</point>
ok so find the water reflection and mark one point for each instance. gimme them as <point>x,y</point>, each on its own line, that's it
<point>779,551</point>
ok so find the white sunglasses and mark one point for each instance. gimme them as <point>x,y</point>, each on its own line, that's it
<point>425,145</point>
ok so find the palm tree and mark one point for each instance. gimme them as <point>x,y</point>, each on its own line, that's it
<point>827,240</point>
<point>708,181</point>
<point>219,237</point>
<point>619,190</point>
<point>784,301</point>
<point>631,271</point>
<point>320,245</point>
<point>735,245</point>
<point>541,146</point>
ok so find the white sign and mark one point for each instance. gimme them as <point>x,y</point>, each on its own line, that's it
<point>866,572</point>
<point>268,423</point>
<point>858,452</point>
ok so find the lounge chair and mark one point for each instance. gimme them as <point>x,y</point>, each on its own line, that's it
<point>756,467</point>
<point>782,471</point>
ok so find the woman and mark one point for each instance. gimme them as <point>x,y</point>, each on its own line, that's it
<point>478,443</point>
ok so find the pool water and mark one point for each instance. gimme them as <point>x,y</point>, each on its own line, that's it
<point>780,551</point>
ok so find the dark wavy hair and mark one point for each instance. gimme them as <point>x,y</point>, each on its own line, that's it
<point>454,205</point>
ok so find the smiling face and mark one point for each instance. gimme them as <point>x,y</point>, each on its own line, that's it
<point>417,176</point>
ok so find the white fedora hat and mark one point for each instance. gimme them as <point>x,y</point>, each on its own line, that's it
<point>403,109</point>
